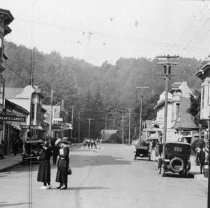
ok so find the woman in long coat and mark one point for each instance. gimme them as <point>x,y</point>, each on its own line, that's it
<point>44,172</point>
<point>63,164</point>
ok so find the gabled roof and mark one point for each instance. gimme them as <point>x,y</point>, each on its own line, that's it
<point>8,16</point>
<point>203,70</point>
<point>184,118</point>
<point>10,105</point>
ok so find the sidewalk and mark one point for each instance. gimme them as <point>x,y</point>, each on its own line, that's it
<point>9,162</point>
<point>195,170</point>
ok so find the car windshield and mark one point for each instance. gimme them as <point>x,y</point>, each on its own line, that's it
<point>181,149</point>
<point>32,147</point>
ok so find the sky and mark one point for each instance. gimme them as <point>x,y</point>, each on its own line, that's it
<point>106,30</point>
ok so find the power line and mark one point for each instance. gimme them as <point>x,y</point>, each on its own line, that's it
<point>16,73</point>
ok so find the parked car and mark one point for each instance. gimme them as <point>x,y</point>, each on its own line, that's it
<point>176,158</point>
<point>31,150</point>
<point>142,150</point>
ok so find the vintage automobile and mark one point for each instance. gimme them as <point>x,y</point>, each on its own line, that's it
<point>142,151</point>
<point>176,158</point>
<point>31,150</point>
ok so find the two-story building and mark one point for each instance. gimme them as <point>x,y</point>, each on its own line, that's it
<point>204,74</point>
<point>180,123</point>
<point>30,98</point>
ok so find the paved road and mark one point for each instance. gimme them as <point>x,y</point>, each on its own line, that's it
<point>104,178</point>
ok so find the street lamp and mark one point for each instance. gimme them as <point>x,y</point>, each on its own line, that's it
<point>140,112</point>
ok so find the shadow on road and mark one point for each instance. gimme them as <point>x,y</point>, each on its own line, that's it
<point>96,160</point>
<point>6,204</point>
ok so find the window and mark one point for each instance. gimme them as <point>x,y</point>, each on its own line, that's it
<point>177,109</point>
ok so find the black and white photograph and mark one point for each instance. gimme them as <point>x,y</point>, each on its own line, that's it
<point>104,103</point>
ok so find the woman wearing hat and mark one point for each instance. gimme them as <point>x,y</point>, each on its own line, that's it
<point>63,164</point>
<point>44,172</point>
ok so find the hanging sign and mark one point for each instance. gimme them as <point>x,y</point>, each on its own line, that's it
<point>12,118</point>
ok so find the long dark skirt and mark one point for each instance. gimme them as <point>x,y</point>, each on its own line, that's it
<point>62,172</point>
<point>44,172</point>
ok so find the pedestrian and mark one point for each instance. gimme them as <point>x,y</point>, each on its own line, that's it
<point>160,148</point>
<point>88,143</point>
<point>55,150</point>
<point>91,143</point>
<point>202,159</point>
<point>44,171</point>
<point>15,146</point>
<point>63,164</point>
<point>157,151</point>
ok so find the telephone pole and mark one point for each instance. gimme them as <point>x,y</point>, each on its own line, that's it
<point>129,125</point>
<point>72,120</point>
<point>123,128</point>
<point>89,119</point>
<point>167,64</point>
<point>140,112</point>
<point>79,126</point>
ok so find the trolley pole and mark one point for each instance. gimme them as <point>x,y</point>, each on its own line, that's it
<point>167,63</point>
<point>140,112</point>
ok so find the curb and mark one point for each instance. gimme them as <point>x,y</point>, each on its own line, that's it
<point>10,167</point>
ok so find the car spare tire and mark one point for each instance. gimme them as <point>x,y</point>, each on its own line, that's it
<point>176,165</point>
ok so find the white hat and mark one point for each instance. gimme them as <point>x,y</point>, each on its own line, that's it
<point>58,141</point>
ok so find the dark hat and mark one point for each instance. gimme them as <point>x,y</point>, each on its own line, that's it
<point>64,140</point>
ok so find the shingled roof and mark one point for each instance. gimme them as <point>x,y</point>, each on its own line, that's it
<point>185,119</point>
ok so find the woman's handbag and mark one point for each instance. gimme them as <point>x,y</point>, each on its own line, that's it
<point>69,171</point>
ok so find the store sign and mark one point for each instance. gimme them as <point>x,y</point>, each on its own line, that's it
<point>24,126</point>
<point>12,118</point>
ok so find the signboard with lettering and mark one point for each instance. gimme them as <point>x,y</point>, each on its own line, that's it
<point>12,118</point>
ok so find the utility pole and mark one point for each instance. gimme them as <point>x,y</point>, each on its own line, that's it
<point>140,112</point>
<point>32,67</point>
<point>79,126</point>
<point>123,129</point>
<point>51,112</point>
<point>72,120</point>
<point>129,125</point>
<point>167,64</point>
<point>89,119</point>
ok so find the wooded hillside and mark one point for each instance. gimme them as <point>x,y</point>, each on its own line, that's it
<point>102,93</point>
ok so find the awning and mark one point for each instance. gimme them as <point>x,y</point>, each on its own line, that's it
<point>36,127</point>
<point>16,126</point>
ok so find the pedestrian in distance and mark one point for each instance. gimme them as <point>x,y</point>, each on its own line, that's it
<point>88,143</point>
<point>157,151</point>
<point>44,171</point>
<point>91,143</point>
<point>63,164</point>
<point>202,159</point>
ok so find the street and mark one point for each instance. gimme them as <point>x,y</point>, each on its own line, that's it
<point>104,178</point>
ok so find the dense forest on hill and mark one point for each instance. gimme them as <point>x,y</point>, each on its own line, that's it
<point>102,93</point>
